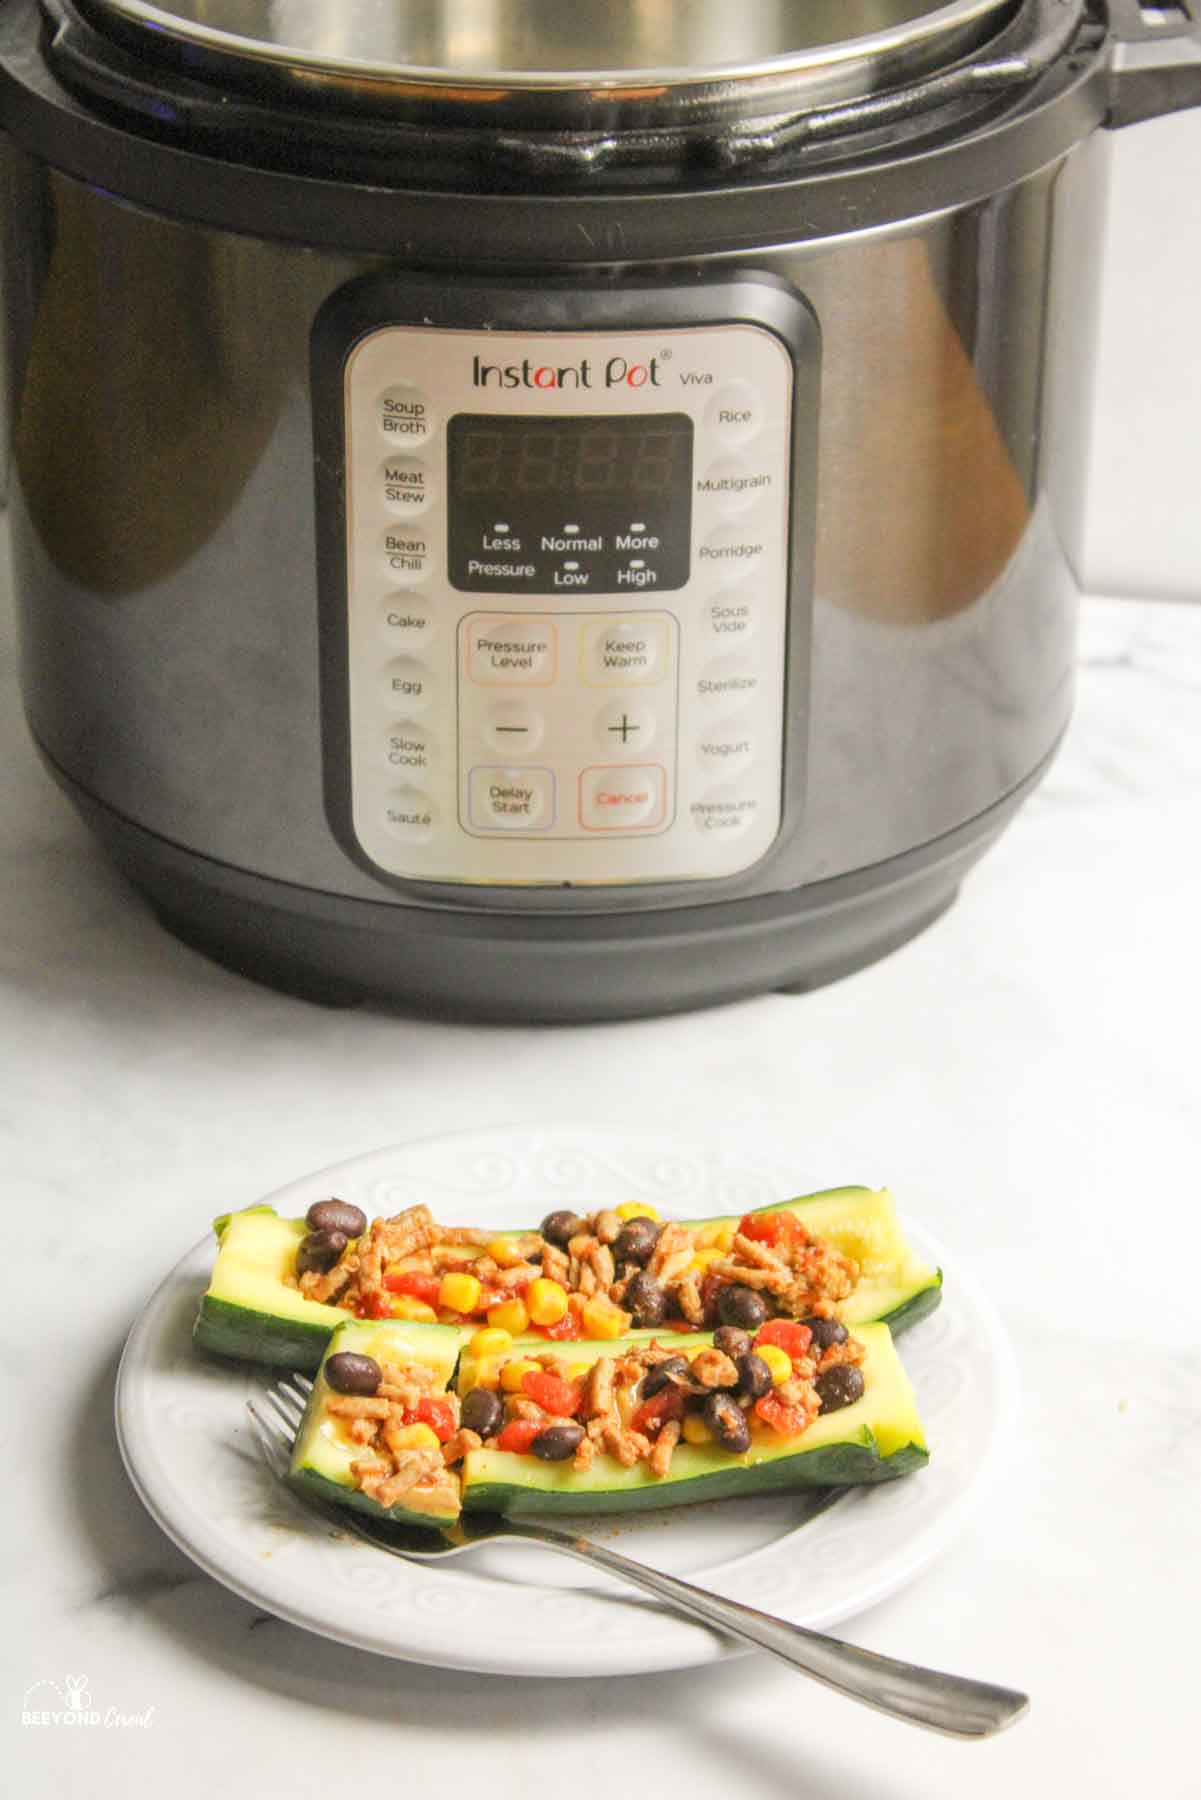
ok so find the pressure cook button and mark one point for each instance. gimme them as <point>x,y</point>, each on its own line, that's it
<point>408,684</point>
<point>726,748</point>
<point>731,484</point>
<point>727,680</point>
<point>723,813</point>
<point>625,651</point>
<point>622,799</point>
<point>410,814</point>
<point>732,550</point>
<point>503,652</point>
<point>729,619</point>
<point>624,728</point>
<point>405,416</point>
<point>512,799</point>
<point>406,554</point>
<point>407,623</point>
<point>407,485</point>
<point>735,412</point>
<point>407,749</point>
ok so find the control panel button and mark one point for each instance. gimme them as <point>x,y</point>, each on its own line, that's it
<point>735,413</point>
<point>506,652</point>
<point>514,729</point>
<point>627,651</point>
<point>512,799</point>
<point>406,556</point>
<point>731,484</point>
<point>408,685</point>
<point>407,748</point>
<point>724,813</point>
<point>726,680</point>
<point>622,799</point>
<point>625,727</point>
<point>732,550</point>
<point>729,618</point>
<point>407,484</point>
<point>408,624</point>
<point>405,415</point>
<point>726,748</point>
<point>410,815</point>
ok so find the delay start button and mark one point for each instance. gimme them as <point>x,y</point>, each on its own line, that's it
<point>512,799</point>
<point>622,799</point>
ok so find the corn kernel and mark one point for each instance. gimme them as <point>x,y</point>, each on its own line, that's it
<point>694,1430</point>
<point>407,1306</point>
<point>514,1372</point>
<point>725,1238</point>
<point>704,1260</point>
<point>777,1360</point>
<point>490,1342</point>
<point>510,1316</point>
<point>634,1209</point>
<point>706,1237</point>
<point>577,1371</point>
<point>601,1319</point>
<point>487,1370</point>
<point>546,1302</point>
<point>459,1293</point>
<point>417,1437</point>
<point>504,1253</point>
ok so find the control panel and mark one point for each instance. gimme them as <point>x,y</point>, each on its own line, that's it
<point>567,559</point>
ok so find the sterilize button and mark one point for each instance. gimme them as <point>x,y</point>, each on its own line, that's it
<point>624,728</point>
<point>405,416</point>
<point>735,413</point>
<point>407,484</point>
<point>726,748</point>
<point>407,623</point>
<point>729,618</point>
<point>505,651</point>
<point>627,651</point>
<point>732,484</point>
<point>514,729</point>
<point>408,684</point>
<point>512,799</point>
<point>724,813</point>
<point>622,799</point>
<point>727,680</point>
<point>407,749</point>
<point>405,554</point>
<point>410,815</point>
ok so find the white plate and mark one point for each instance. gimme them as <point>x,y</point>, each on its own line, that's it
<point>519,1610</point>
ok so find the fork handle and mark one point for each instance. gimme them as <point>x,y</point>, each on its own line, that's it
<point>953,1704</point>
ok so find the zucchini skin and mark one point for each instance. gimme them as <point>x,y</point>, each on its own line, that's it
<point>308,1481</point>
<point>225,1329</point>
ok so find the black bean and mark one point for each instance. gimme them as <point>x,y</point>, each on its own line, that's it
<point>350,1373</point>
<point>738,1305</point>
<point>336,1215</point>
<point>826,1332</point>
<point>482,1411</point>
<point>636,1241</point>
<point>662,1374</point>
<point>560,1227</point>
<point>754,1377</point>
<point>319,1251</point>
<point>646,1299</point>
<point>558,1442</point>
<point>731,1341</point>
<point>727,1421</point>
<point>839,1387</point>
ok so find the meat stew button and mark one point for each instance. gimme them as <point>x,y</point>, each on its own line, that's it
<point>621,799</point>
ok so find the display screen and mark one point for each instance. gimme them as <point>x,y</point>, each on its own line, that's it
<point>600,504</point>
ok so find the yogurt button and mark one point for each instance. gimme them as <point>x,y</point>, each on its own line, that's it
<point>405,416</point>
<point>410,814</point>
<point>407,749</point>
<point>726,748</point>
<point>735,413</point>
<point>408,684</point>
<point>407,485</point>
<point>406,554</point>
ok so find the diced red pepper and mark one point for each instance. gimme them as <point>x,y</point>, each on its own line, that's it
<point>439,1415</point>
<point>789,1420</point>
<point>551,1394</point>
<point>518,1435</point>
<point>668,1403</point>
<point>788,1334</point>
<point>568,1327</point>
<point>779,1229</point>
<point>411,1281</point>
<point>374,1306</point>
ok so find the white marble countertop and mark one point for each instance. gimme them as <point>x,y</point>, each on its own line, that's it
<point>1025,1076</point>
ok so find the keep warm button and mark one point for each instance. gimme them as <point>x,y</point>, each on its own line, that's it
<point>630,798</point>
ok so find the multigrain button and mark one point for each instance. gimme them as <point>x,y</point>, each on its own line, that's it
<point>729,619</point>
<point>514,729</point>
<point>407,623</point>
<point>512,799</point>
<point>406,484</point>
<point>501,652</point>
<point>625,651</point>
<point>406,554</point>
<point>407,749</point>
<point>404,414</point>
<point>735,413</point>
<point>726,748</point>
<point>731,484</point>
<point>408,684</point>
<point>410,814</point>
<point>622,799</point>
<point>726,681</point>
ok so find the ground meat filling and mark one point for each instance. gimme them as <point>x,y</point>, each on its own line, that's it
<point>599,1276</point>
<point>410,1435</point>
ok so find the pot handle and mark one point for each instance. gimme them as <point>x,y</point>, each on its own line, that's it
<point>1156,66</point>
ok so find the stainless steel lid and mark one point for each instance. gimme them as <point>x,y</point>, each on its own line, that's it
<point>657,60</point>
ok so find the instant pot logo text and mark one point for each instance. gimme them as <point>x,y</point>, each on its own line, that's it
<point>615,372</point>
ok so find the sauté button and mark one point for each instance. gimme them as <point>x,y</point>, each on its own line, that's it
<point>622,799</point>
<point>405,416</point>
<point>410,814</point>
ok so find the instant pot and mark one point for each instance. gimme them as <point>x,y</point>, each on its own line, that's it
<point>555,511</point>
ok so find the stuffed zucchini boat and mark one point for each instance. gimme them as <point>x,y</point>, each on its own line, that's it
<point>281,1286</point>
<point>614,1427</point>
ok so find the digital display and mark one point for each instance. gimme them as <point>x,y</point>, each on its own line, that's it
<point>538,504</point>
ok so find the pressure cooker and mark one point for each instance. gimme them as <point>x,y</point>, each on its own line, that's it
<point>555,512</point>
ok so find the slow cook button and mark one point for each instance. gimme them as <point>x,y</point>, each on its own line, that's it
<point>410,814</point>
<point>407,624</point>
<point>735,413</point>
<point>726,680</point>
<point>407,749</point>
<point>509,651</point>
<point>408,684</point>
<point>724,814</point>
<point>406,554</point>
<point>726,748</point>
<point>404,415</point>
<point>512,799</point>
<point>622,799</point>
<point>731,484</point>
<point>407,484</point>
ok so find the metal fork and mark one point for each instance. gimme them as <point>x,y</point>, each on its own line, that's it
<point>953,1704</point>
